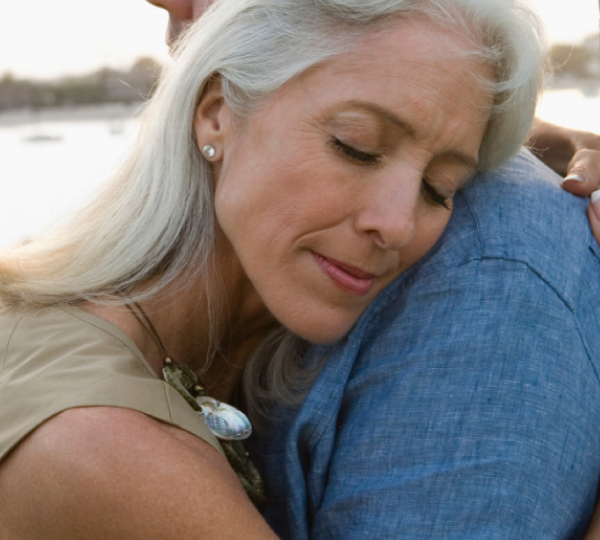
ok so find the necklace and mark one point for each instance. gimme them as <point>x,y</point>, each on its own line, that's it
<point>227,423</point>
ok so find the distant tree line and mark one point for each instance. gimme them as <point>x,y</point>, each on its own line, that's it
<point>103,86</point>
<point>113,86</point>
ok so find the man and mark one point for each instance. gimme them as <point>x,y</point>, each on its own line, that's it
<point>466,401</point>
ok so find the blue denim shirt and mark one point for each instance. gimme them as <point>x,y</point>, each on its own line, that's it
<point>465,403</point>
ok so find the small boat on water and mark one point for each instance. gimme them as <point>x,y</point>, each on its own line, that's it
<point>116,128</point>
<point>42,138</point>
<point>590,90</point>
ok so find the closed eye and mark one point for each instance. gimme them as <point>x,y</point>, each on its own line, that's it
<point>354,154</point>
<point>433,196</point>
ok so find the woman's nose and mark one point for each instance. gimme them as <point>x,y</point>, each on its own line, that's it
<point>388,213</point>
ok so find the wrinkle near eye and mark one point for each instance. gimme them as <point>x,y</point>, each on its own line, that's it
<point>359,131</point>
<point>449,173</point>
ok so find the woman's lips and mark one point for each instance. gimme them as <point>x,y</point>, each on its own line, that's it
<point>346,277</point>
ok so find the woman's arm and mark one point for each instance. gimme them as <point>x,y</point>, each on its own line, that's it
<point>106,473</point>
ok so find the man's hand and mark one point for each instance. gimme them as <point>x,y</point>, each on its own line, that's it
<point>574,155</point>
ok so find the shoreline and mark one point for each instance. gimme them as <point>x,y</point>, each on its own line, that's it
<point>124,111</point>
<point>100,111</point>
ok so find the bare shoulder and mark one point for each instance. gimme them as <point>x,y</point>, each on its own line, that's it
<point>99,473</point>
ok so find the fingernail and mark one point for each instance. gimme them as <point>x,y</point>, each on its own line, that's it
<point>575,177</point>
<point>595,197</point>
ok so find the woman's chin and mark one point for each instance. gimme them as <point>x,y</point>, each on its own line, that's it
<point>321,332</point>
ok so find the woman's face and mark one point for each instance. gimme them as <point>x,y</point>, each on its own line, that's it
<point>345,178</point>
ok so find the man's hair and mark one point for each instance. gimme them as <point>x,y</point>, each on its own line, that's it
<point>153,223</point>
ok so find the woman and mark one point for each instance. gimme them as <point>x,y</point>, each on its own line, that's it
<point>298,156</point>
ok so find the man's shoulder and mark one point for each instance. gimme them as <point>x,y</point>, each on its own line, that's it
<point>521,212</point>
<point>458,384</point>
<point>517,253</point>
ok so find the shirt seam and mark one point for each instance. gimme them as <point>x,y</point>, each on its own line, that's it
<point>319,430</point>
<point>567,303</point>
<point>168,402</point>
<point>12,333</point>
<point>475,222</point>
<point>317,435</point>
<point>137,354</point>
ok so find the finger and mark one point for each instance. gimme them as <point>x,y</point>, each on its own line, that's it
<point>583,174</point>
<point>594,214</point>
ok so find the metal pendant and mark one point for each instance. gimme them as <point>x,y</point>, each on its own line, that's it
<point>225,422</point>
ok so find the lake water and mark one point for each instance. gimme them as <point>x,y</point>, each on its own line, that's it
<point>572,108</point>
<point>41,181</point>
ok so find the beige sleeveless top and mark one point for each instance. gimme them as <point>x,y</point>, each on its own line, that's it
<point>61,358</point>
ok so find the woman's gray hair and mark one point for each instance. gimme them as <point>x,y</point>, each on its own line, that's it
<point>153,224</point>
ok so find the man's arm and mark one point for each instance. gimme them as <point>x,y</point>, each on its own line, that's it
<point>572,154</point>
<point>472,413</point>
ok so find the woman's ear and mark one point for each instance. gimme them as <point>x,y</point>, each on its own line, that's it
<point>212,121</point>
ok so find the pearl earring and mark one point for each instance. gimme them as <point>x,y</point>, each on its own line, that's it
<point>209,151</point>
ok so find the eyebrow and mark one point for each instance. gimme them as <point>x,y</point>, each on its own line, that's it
<point>466,159</point>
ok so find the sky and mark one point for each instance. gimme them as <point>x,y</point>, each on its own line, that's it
<point>49,38</point>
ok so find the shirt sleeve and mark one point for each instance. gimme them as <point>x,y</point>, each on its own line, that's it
<point>473,412</point>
